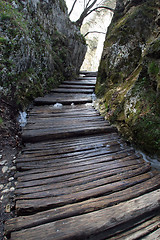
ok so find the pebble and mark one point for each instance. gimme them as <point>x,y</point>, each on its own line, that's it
<point>5,190</point>
<point>11,179</point>
<point>3,162</point>
<point>8,208</point>
<point>1,186</point>
<point>12,168</point>
<point>4,169</point>
<point>8,185</point>
<point>12,189</point>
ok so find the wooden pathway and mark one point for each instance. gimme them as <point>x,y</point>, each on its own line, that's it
<point>77,179</point>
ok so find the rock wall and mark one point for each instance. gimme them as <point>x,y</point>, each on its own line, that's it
<point>97,26</point>
<point>40,47</point>
<point>129,72</point>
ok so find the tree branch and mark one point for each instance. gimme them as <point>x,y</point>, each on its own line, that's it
<point>93,32</point>
<point>88,3</point>
<point>72,8</point>
<point>84,13</point>
<point>104,7</point>
<point>87,11</point>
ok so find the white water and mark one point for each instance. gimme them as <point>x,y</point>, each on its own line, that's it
<point>155,163</point>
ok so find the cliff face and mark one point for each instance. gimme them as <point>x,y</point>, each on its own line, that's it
<point>129,72</point>
<point>96,25</point>
<point>40,47</point>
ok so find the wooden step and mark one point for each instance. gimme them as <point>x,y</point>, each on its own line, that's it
<point>96,223</point>
<point>87,206</point>
<point>50,133</point>
<point>70,86</point>
<point>63,90</point>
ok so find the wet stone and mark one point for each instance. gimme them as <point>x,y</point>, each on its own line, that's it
<point>4,169</point>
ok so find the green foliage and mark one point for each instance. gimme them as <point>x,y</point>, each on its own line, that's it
<point>3,40</point>
<point>5,17</point>
<point>1,121</point>
<point>153,68</point>
<point>12,15</point>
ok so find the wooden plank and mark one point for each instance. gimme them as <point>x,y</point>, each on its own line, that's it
<point>89,73</point>
<point>76,86</point>
<point>47,134</point>
<point>57,171</point>
<point>113,184</point>
<point>154,235</point>
<point>96,223</point>
<point>78,164</point>
<point>72,142</point>
<point>49,201</point>
<point>81,82</point>
<point>50,100</point>
<point>75,149</point>
<point>101,155</point>
<point>69,124</point>
<point>140,230</point>
<point>87,206</point>
<point>29,152</point>
<point>64,90</point>
<point>103,176</point>
<point>78,175</point>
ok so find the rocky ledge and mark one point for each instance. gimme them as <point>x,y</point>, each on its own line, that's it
<point>129,73</point>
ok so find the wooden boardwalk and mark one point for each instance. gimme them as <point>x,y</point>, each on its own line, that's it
<point>77,179</point>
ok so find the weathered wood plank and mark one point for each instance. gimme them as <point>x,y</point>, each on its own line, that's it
<point>72,142</point>
<point>76,140</point>
<point>46,134</point>
<point>96,223</point>
<point>101,178</point>
<point>101,155</point>
<point>54,149</point>
<point>140,230</point>
<point>49,100</point>
<point>74,150</point>
<point>87,179</point>
<point>112,186</point>
<point>38,204</point>
<point>83,207</point>
<point>64,90</point>
<point>78,164</point>
<point>81,82</point>
<point>154,235</point>
<point>59,170</point>
<point>88,73</point>
<point>65,125</point>
<point>70,86</point>
<point>78,175</point>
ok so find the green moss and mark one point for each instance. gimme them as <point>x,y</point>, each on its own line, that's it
<point>153,68</point>
<point>3,40</point>
<point>12,15</point>
<point>146,133</point>
<point>1,121</point>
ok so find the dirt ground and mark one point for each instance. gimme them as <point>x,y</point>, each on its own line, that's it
<point>10,145</point>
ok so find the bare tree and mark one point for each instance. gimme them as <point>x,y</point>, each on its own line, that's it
<point>72,7</point>
<point>89,7</point>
